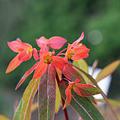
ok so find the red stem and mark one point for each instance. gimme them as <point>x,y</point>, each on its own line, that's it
<point>65,111</point>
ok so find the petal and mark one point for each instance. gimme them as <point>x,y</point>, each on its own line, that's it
<point>59,62</point>
<point>42,42</point>
<point>40,70</point>
<point>81,53</point>
<point>14,63</point>
<point>35,54</point>
<point>27,73</point>
<point>79,39</point>
<point>24,56</point>
<point>56,42</point>
<point>16,45</point>
<point>68,97</point>
<point>77,80</point>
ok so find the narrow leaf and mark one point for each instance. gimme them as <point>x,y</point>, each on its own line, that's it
<point>83,106</point>
<point>51,91</point>
<point>23,111</point>
<point>109,69</point>
<point>58,99</point>
<point>42,98</point>
<point>82,65</point>
<point>2,117</point>
<point>102,93</point>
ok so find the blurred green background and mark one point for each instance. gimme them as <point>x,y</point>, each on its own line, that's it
<point>30,19</point>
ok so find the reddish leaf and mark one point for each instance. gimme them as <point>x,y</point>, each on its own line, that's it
<point>42,98</point>
<point>51,91</point>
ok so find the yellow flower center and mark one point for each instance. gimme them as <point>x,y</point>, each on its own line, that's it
<point>47,58</point>
<point>29,50</point>
<point>70,53</point>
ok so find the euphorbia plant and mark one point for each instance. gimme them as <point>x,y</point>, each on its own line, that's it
<point>56,79</point>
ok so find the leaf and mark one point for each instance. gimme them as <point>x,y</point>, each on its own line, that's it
<point>51,91</point>
<point>83,106</point>
<point>86,89</point>
<point>102,93</point>
<point>42,98</point>
<point>94,66</point>
<point>58,99</point>
<point>109,69</point>
<point>114,103</point>
<point>23,111</point>
<point>2,117</point>
<point>82,65</point>
<point>34,106</point>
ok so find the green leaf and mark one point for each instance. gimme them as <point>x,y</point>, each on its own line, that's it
<point>109,69</point>
<point>89,111</point>
<point>83,106</point>
<point>82,65</point>
<point>58,99</point>
<point>2,117</point>
<point>102,93</point>
<point>23,111</point>
<point>92,90</point>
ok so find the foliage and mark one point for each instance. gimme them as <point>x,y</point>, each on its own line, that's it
<point>61,77</point>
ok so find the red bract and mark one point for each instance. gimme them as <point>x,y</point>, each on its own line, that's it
<point>24,51</point>
<point>76,50</point>
<point>41,66</point>
<point>55,42</point>
<point>83,90</point>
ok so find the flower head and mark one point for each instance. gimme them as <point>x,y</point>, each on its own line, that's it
<point>47,58</point>
<point>55,42</point>
<point>77,50</point>
<point>24,51</point>
<point>83,90</point>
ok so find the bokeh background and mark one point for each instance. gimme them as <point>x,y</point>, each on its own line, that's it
<point>30,19</point>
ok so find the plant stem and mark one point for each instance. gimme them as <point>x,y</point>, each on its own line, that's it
<point>65,110</point>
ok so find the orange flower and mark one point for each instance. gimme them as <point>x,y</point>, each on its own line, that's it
<point>77,50</point>
<point>24,51</point>
<point>83,90</point>
<point>41,66</point>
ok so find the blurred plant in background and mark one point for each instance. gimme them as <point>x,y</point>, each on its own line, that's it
<point>29,19</point>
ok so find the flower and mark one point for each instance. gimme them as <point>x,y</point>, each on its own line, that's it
<point>41,66</point>
<point>83,90</point>
<point>24,51</point>
<point>55,42</point>
<point>77,50</point>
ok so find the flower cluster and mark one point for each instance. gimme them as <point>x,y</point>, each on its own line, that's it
<point>46,59</point>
